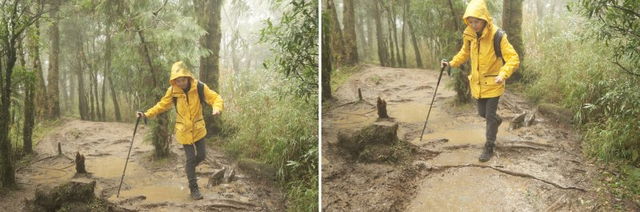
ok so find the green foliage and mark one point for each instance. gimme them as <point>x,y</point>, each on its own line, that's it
<point>277,128</point>
<point>574,70</point>
<point>296,46</point>
<point>617,23</point>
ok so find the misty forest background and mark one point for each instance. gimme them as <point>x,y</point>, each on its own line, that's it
<point>103,60</point>
<point>576,54</point>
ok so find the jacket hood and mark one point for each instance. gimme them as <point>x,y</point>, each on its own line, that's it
<point>179,69</point>
<point>478,9</point>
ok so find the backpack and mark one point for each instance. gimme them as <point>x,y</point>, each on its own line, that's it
<point>496,44</point>
<point>200,96</point>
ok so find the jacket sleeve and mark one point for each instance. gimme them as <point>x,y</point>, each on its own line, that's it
<point>463,54</point>
<point>164,104</point>
<point>510,57</point>
<point>212,98</point>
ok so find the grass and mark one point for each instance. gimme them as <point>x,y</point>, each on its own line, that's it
<point>265,122</point>
<point>574,71</point>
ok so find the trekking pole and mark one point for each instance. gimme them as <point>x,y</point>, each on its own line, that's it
<point>432,100</point>
<point>127,162</point>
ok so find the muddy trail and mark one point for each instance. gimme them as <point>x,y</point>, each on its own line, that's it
<point>534,168</point>
<point>148,185</point>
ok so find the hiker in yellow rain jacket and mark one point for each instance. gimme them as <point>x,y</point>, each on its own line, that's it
<point>190,129</point>
<point>488,72</point>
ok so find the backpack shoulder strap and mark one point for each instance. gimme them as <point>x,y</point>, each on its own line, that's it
<point>175,104</point>
<point>497,38</point>
<point>201,93</point>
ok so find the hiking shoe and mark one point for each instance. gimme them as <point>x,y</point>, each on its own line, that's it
<point>486,154</point>
<point>195,194</point>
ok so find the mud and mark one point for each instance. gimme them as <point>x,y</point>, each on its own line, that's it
<point>534,168</point>
<point>148,185</point>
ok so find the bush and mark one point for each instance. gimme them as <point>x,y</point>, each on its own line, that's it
<point>264,121</point>
<point>575,71</point>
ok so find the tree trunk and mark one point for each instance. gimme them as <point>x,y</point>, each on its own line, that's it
<point>405,10</point>
<point>512,21</point>
<point>107,73</point>
<point>54,61</point>
<point>416,49</point>
<point>350,42</point>
<point>370,33</point>
<point>41,88</point>
<point>392,19</point>
<point>337,40</point>
<point>326,52</point>
<point>382,47</point>
<point>82,101</point>
<point>363,46</point>
<point>392,55</point>
<point>161,134</point>
<point>29,108</point>
<point>208,17</point>
<point>92,114</point>
<point>7,171</point>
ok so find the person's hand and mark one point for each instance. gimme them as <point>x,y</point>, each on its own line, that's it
<point>140,114</point>
<point>444,63</point>
<point>215,112</point>
<point>499,80</point>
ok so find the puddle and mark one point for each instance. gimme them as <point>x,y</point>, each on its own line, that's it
<point>468,134</point>
<point>416,112</point>
<point>472,189</point>
<point>110,167</point>
<point>354,119</point>
<point>155,193</point>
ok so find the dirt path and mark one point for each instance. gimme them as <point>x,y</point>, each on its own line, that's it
<point>148,186</point>
<point>536,168</point>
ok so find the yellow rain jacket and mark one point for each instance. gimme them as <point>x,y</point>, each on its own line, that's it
<point>189,121</point>
<point>485,66</point>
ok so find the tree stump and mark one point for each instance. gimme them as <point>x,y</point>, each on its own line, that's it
<point>80,168</point>
<point>359,94</point>
<point>59,148</point>
<point>517,121</point>
<point>70,196</point>
<point>382,108</point>
<point>376,143</point>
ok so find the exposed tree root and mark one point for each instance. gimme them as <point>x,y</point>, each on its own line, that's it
<point>517,174</point>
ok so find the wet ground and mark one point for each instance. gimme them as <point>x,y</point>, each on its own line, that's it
<point>535,168</point>
<point>148,185</point>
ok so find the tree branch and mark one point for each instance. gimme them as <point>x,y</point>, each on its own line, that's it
<point>157,11</point>
<point>626,70</point>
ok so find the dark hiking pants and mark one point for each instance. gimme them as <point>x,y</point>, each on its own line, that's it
<point>487,108</point>
<point>193,160</point>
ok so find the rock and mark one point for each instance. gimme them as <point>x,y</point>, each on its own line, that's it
<point>530,119</point>
<point>555,113</point>
<point>257,169</point>
<point>230,175</point>
<point>216,178</point>
<point>517,121</point>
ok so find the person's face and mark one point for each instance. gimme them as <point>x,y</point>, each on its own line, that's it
<point>476,24</point>
<point>182,82</point>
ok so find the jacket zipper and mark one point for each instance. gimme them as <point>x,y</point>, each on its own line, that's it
<point>478,70</point>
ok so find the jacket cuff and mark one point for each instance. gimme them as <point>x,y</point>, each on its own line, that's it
<point>503,75</point>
